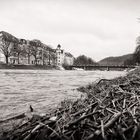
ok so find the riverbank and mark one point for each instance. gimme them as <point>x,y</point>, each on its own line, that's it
<point>43,89</point>
<point>29,67</point>
<point>109,110</point>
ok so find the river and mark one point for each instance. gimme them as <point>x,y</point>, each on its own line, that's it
<point>43,89</point>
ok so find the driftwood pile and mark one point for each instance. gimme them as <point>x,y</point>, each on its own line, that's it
<point>110,111</point>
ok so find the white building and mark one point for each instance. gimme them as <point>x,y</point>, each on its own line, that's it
<point>63,57</point>
<point>68,59</point>
<point>2,58</point>
<point>59,56</point>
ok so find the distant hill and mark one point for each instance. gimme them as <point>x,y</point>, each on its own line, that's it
<point>119,60</point>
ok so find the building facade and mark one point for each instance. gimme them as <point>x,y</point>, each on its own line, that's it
<point>2,58</point>
<point>68,59</point>
<point>59,56</point>
<point>44,56</point>
<point>62,57</point>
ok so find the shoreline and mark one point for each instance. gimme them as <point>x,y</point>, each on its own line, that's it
<point>41,104</point>
<point>28,67</point>
<point>73,116</point>
<point>49,67</point>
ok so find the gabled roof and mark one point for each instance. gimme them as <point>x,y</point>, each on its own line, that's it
<point>68,54</point>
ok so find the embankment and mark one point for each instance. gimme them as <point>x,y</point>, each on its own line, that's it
<point>110,110</point>
<point>28,67</point>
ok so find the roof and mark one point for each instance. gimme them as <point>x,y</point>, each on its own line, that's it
<point>68,54</point>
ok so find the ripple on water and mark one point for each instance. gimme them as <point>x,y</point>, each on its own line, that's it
<point>40,88</point>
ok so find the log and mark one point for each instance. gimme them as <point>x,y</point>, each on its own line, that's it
<point>82,118</point>
<point>102,80</point>
<point>20,116</point>
<point>109,123</point>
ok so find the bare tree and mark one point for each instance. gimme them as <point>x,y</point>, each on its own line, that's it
<point>27,50</point>
<point>45,53</point>
<point>20,49</point>
<point>52,56</point>
<point>7,44</point>
<point>34,47</point>
<point>48,54</point>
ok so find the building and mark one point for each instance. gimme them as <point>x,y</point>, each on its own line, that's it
<point>68,59</point>
<point>63,57</point>
<point>31,52</point>
<point>59,55</point>
<point>2,58</point>
<point>33,55</point>
<point>44,56</point>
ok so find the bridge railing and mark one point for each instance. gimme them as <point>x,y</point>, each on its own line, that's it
<point>100,66</point>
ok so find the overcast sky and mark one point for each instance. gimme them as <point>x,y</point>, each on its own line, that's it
<point>96,28</point>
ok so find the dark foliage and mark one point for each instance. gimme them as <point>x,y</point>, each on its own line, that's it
<point>84,60</point>
<point>136,57</point>
<point>135,60</point>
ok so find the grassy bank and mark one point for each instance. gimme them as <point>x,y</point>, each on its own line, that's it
<point>109,110</point>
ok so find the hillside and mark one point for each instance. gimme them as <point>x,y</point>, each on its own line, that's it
<point>119,60</point>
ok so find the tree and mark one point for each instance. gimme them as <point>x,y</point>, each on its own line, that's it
<point>90,61</point>
<point>138,41</point>
<point>34,48</point>
<point>84,60</point>
<point>7,44</point>
<point>27,48</point>
<point>48,54</point>
<point>136,54</point>
<point>81,60</point>
<point>52,56</point>
<point>19,49</point>
<point>45,53</point>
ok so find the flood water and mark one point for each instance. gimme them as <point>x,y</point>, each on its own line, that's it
<point>43,89</point>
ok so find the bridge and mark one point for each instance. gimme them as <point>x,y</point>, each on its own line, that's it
<point>100,67</point>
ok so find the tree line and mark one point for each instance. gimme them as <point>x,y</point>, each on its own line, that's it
<point>134,60</point>
<point>12,46</point>
<point>84,60</point>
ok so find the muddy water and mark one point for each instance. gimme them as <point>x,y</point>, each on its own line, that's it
<point>42,89</point>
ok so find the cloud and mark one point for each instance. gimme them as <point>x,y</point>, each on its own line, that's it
<point>96,28</point>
